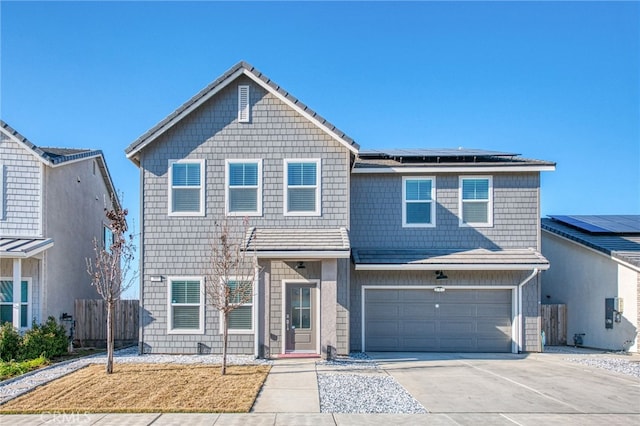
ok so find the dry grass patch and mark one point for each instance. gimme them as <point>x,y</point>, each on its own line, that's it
<point>146,388</point>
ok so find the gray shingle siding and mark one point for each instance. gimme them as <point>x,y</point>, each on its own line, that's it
<point>22,182</point>
<point>376,214</point>
<point>175,246</point>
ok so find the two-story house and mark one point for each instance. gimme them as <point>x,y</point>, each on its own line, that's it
<point>243,147</point>
<point>52,203</point>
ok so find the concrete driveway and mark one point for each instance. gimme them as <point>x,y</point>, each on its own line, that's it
<point>513,386</point>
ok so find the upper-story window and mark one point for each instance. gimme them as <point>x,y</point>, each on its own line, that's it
<point>302,187</point>
<point>244,187</point>
<point>107,238</point>
<point>418,202</point>
<point>243,104</point>
<point>476,201</point>
<point>186,188</point>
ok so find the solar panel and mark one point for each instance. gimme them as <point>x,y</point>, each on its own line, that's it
<point>439,152</point>
<point>603,224</point>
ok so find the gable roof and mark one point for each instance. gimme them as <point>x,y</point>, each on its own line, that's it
<point>624,246</point>
<point>55,157</point>
<point>241,68</point>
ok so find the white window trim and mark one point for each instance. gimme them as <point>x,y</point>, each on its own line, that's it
<point>253,309</point>
<point>247,108</point>
<point>170,329</point>
<point>201,187</point>
<point>258,188</point>
<point>317,186</point>
<point>489,222</point>
<point>29,300</point>
<point>432,202</point>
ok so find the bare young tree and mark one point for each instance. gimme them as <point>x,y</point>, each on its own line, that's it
<point>230,281</point>
<point>113,271</point>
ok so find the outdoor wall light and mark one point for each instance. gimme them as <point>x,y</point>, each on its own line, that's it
<point>441,276</point>
<point>300,265</point>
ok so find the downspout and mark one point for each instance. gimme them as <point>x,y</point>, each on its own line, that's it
<point>141,281</point>
<point>535,272</point>
<point>256,313</point>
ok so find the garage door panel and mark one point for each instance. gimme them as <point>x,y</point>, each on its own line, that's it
<point>464,321</point>
<point>456,310</point>
<point>415,310</point>
<point>457,327</point>
<point>383,296</point>
<point>418,328</point>
<point>416,296</point>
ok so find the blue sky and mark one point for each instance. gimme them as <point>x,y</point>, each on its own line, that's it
<point>553,81</point>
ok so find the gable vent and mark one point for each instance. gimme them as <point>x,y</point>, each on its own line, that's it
<point>243,104</point>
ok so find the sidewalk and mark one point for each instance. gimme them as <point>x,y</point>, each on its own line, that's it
<point>291,387</point>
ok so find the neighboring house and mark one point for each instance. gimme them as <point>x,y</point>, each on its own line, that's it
<point>596,273</point>
<point>52,204</point>
<point>349,242</point>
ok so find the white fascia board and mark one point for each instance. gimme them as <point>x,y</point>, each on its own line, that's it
<point>77,160</point>
<point>45,245</point>
<point>578,243</point>
<point>455,169</point>
<point>431,287</point>
<point>27,148</point>
<point>449,267</point>
<point>310,254</point>
<point>300,111</point>
<point>184,113</point>
<point>221,86</point>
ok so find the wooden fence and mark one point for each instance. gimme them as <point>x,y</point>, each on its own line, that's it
<point>91,322</point>
<point>554,324</point>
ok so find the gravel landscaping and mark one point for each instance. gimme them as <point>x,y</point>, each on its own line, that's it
<point>354,384</point>
<point>618,365</point>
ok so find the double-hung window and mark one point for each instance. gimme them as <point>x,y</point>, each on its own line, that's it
<point>476,201</point>
<point>418,202</point>
<point>6,302</point>
<point>186,188</point>
<point>241,295</point>
<point>302,187</point>
<point>244,187</point>
<point>186,305</point>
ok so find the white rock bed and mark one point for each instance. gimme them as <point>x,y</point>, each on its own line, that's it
<point>618,365</point>
<point>343,391</point>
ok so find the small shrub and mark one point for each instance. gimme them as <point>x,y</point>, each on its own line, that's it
<point>48,340</point>
<point>10,341</point>
<point>14,368</point>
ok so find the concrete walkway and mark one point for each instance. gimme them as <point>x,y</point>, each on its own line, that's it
<point>291,387</point>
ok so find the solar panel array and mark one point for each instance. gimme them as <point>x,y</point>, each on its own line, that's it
<point>440,152</point>
<point>603,224</point>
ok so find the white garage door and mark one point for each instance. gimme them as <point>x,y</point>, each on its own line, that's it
<point>426,321</point>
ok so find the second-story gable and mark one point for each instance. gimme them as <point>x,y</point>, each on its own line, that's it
<point>248,150</point>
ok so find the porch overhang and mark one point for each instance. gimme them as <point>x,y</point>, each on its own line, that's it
<point>450,260</point>
<point>23,248</point>
<point>299,244</point>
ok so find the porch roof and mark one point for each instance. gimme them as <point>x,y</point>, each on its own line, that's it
<point>471,260</point>
<point>299,243</point>
<point>12,247</point>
